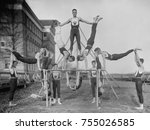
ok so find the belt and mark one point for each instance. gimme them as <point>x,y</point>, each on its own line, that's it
<point>13,77</point>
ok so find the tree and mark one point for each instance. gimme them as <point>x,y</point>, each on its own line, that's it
<point>11,28</point>
<point>10,21</point>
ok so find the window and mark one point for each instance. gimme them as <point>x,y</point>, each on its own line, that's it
<point>44,34</point>
<point>2,43</point>
<point>6,65</point>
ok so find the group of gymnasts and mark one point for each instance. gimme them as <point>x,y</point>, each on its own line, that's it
<point>97,51</point>
<point>43,59</point>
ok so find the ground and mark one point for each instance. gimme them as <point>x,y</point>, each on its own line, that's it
<point>78,101</point>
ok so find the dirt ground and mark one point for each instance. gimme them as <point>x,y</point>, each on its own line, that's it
<point>78,101</point>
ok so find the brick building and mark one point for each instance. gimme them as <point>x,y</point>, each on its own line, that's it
<point>20,27</point>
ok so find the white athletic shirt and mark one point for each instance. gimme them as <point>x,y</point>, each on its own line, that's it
<point>75,21</point>
<point>93,73</point>
<point>105,54</point>
<point>12,69</point>
<point>56,75</point>
<point>140,69</point>
<point>58,38</point>
<point>37,55</point>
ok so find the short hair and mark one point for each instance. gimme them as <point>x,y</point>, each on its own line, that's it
<point>79,57</point>
<point>55,23</point>
<point>15,61</point>
<point>142,60</point>
<point>97,49</point>
<point>36,52</point>
<point>74,10</point>
<point>93,61</point>
<point>72,57</point>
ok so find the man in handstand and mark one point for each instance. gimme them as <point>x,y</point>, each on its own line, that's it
<point>59,42</point>
<point>90,41</point>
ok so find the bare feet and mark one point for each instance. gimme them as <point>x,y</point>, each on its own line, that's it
<point>98,18</point>
<point>94,19</point>
<point>137,49</point>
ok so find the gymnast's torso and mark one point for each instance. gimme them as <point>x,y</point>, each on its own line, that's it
<point>75,22</point>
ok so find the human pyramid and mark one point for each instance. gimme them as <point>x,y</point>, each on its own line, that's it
<point>43,59</point>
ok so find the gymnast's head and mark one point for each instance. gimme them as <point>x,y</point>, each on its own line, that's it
<point>85,52</point>
<point>74,12</point>
<point>14,64</point>
<point>55,66</point>
<point>142,60</point>
<point>97,51</point>
<point>56,23</point>
<point>71,58</point>
<point>93,63</point>
<point>80,57</point>
<point>42,50</point>
<point>83,55</point>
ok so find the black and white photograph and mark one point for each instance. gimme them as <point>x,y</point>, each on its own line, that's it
<point>74,56</point>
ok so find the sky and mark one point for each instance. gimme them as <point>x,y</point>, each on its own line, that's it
<point>125,25</point>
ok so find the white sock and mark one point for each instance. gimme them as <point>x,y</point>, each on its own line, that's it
<point>93,100</point>
<point>59,101</point>
<point>141,106</point>
<point>54,100</point>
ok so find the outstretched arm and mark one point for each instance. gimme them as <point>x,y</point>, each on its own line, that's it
<point>11,64</point>
<point>11,61</point>
<point>37,56</point>
<point>62,24</point>
<point>84,21</point>
<point>137,59</point>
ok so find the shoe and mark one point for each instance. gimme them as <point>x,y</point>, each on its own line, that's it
<point>59,102</point>
<point>93,101</point>
<point>141,107</point>
<point>54,101</point>
<point>99,108</point>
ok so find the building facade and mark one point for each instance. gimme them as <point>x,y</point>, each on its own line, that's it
<point>25,32</point>
<point>48,35</point>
